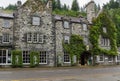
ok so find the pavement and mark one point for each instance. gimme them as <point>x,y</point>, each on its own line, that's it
<point>79,73</point>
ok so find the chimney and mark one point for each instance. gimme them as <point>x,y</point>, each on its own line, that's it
<point>19,3</point>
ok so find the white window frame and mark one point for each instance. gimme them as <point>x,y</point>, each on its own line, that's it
<point>66,57</point>
<point>84,27</point>
<point>105,41</point>
<point>6,23</point>
<point>36,20</point>
<point>66,39</point>
<point>42,54</point>
<point>35,37</point>
<point>99,60</point>
<point>6,38</point>
<point>66,24</point>
<point>29,37</point>
<point>104,30</point>
<point>109,59</point>
<point>118,56</point>
<point>40,36</point>
<point>6,57</point>
<point>26,56</point>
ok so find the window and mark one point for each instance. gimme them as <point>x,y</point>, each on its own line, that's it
<point>6,38</point>
<point>66,39</point>
<point>6,23</point>
<point>101,58</point>
<point>35,20</point>
<point>118,58</point>
<point>110,58</point>
<point>26,57</point>
<point>66,57</point>
<point>84,27</point>
<point>66,24</point>
<point>34,38</point>
<point>5,57</point>
<point>104,30</point>
<point>40,38</point>
<point>29,37</point>
<point>105,41</point>
<point>43,57</point>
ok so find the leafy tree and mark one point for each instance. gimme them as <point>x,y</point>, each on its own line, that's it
<point>75,6</point>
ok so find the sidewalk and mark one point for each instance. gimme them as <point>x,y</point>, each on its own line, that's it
<point>55,68</point>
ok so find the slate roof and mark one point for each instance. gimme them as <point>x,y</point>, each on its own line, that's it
<point>4,15</point>
<point>72,19</point>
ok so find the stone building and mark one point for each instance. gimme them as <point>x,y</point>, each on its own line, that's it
<point>33,31</point>
<point>6,38</point>
<point>33,27</point>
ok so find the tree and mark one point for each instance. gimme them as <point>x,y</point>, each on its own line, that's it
<point>58,4</point>
<point>75,6</point>
<point>54,3</point>
<point>11,7</point>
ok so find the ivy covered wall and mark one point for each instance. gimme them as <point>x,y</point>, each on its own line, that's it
<point>75,47</point>
<point>97,29</point>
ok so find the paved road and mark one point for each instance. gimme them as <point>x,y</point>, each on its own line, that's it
<point>67,74</point>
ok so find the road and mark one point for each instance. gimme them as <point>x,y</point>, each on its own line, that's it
<point>62,74</point>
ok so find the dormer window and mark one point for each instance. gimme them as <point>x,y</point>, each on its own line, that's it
<point>66,24</point>
<point>6,23</point>
<point>104,30</point>
<point>36,21</point>
<point>84,27</point>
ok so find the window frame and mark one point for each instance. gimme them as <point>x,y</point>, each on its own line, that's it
<point>46,59</point>
<point>66,24</point>
<point>66,56</point>
<point>2,57</point>
<point>6,23</point>
<point>36,22</point>
<point>68,39</point>
<point>6,38</point>
<point>84,26</point>
<point>28,37</point>
<point>118,56</point>
<point>26,61</point>
<point>110,59</point>
<point>102,58</point>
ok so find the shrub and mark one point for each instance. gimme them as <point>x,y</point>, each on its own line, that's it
<point>34,59</point>
<point>17,60</point>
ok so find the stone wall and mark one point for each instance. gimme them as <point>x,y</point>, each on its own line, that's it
<point>23,25</point>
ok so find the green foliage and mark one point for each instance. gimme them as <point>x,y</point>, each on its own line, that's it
<point>69,13</point>
<point>97,29</point>
<point>11,7</point>
<point>17,60</point>
<point>34,59</point>
<point>75,6</point>
<point>75,47</point>
<point>113,4</point>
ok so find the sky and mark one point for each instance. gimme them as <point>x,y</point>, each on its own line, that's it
<point>4,3</point>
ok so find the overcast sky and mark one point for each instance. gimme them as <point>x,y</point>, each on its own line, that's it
<point>4,3</point>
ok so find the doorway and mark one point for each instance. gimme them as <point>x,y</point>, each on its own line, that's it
<point>85,58</point>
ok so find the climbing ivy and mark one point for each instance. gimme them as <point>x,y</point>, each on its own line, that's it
<point>97,29</point>
<point>75,47</point>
